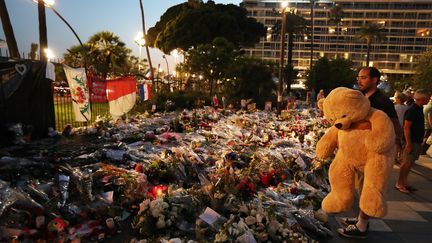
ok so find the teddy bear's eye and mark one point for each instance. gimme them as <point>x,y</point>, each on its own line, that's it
<point>343,116</point>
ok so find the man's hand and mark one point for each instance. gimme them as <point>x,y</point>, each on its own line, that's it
<point>408,148</point>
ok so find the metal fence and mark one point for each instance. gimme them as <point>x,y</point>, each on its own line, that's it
<point>64,114</point>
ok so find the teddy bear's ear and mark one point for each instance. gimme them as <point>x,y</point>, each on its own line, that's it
<point>321,104</point>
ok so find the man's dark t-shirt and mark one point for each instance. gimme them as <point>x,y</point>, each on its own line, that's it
<point>415,115</point>
<point>379,101</point>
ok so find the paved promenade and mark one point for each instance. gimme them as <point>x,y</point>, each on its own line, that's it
<point>409,217</point>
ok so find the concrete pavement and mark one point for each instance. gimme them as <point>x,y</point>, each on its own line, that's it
<point>409,217</point>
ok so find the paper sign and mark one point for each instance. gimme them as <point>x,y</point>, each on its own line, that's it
<point>209,216</point>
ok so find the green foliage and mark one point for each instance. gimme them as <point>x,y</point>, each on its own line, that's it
<point>75,55</point>
<point>188,25</point>
<point>336,15</point>
<point>250,79</point>
<point>328,74</point>
<point>422,77</point>
<point>370,32</point>
<point>211,61</point>
<point>104,51</point>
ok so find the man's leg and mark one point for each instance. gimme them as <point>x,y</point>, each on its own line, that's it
<point>363,220</point>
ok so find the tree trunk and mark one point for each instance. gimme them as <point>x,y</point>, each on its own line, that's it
<point>8,31</point>
<point>43,37</point>
<point>290,57</point>
<point>146,43</point>
<point>369,45</point>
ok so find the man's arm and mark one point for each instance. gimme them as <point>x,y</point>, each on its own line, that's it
<point>398,130</point>
<point>407,133</point>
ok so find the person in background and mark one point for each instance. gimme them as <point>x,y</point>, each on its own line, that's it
<point>368,79</point>
<point>400,107</point>
<point>427,112</point>
<point>409,97</point>
<point>320,95</point>
<point>414,131</point>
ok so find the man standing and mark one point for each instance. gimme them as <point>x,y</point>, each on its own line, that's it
<point>427,111</point>
<point>414,131</point>
<point>368,79</point>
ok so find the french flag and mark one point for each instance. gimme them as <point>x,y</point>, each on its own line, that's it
<point>121,95</point>
<point>148,74</point>
<point>145,92</point>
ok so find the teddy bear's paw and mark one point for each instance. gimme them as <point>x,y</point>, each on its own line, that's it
<point>333,204</point>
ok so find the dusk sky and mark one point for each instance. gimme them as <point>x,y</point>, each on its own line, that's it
<point>88,17</point>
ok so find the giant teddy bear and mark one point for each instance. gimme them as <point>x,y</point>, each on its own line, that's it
<point>365,141</point>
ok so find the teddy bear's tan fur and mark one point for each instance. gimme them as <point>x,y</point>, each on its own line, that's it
<point>365,141</point>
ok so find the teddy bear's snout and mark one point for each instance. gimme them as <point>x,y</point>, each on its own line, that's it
<point>338,125</point>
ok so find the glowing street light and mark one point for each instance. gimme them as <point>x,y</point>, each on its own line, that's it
<point>48,54</point>
<point>49,4</point>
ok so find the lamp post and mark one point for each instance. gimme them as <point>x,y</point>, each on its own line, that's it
<point>281,61</point>
<point>49,4</point>
<point>140,41</point>
<point>166,61</point>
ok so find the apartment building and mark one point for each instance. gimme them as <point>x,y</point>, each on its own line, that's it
<point>407,32</point>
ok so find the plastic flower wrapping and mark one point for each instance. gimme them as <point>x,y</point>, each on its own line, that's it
<point>201,175</point>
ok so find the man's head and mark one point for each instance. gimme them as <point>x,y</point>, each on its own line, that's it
<point>368,79</point>
<point>422,97</point>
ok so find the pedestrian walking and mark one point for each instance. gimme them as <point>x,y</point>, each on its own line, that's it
<point>400,107</point>
<point>414,130</point>
<point>427,112</point>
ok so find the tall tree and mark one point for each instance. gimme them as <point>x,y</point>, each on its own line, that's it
<point>328,74</point>
<point>250,78</point>
<point>8,31</point>
<point>422,77</point>
<point>108,53</point>
<point>335,17</point>
<point>211,61</point>
<point>43,37</point>
<point>370,32</point>
<point>146,42</point>
<point>295,26</point>
<point>189,24</point>
<point>104,51</point>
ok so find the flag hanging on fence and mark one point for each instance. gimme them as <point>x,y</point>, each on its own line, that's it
<point>145,92</point>
<point>77,81</point>
<point>121,94</point>
<point>148,74</point>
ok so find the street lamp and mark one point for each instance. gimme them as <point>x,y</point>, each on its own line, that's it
<point>166,61</point>
<point>140,41</point>
<point>284,6</point>
<point>49,4</point>
<point>48,54</point>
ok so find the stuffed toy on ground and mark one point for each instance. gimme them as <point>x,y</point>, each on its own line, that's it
<point>365,142</point>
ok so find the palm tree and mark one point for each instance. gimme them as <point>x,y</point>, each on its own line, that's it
<point>295,25</point>
<point>146,42</point>
<point>8,30</point>
<point>336,15</point>
<point>370,32</point>
<point>107,53</point>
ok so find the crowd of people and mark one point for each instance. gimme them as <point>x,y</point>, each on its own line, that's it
<point>411,115</point>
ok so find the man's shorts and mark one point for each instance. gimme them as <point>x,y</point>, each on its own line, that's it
<point>416,149</point>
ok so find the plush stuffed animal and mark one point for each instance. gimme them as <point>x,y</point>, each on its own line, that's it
<point>365,141</point>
